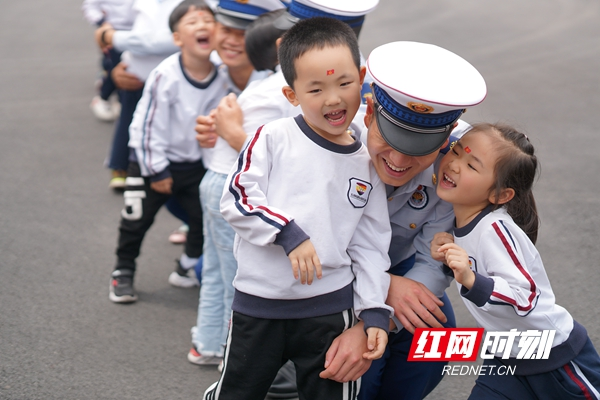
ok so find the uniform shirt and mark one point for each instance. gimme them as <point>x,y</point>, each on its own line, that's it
<point>511,289</point>
<point>291,184</point>
<point>416,214</point>
<point>150,39</point>
<point>222,156</point>
<point>162,131</point>
<point>118,13</point>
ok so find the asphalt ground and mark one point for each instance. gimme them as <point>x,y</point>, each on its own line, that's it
<point>60,336</point>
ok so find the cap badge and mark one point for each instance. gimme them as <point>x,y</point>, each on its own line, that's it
<point>419,107</point>
<point>242,1</point>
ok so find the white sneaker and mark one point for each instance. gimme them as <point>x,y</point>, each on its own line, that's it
<point>184,278</point>
<point>103,110</point>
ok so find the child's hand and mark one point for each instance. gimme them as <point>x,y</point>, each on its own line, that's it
<point>305,262</point>
<point>440,239</point>
<point>376,342</point>
<point>205,129</point>
<point>162,186</point>
<point>458,260</point>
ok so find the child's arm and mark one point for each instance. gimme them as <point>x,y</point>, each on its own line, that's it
<point>458,260</point>
<point>377,339</point>
<point>245,205</point>
<point>305,262</point>
<point>150,132</point>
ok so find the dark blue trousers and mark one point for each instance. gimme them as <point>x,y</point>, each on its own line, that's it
<point>392,376</point>
<point>119,153</point>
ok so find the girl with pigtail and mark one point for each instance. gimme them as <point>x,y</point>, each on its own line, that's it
<point>488,177</point>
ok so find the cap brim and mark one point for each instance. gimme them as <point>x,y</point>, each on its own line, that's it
<point>285,21</point>
<point>232,22</point>
<point>408,142</point>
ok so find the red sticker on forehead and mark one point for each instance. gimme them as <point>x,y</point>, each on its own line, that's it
<point>330,72</point>
<point>467,149</point>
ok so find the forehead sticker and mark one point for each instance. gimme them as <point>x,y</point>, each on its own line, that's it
<point>467,149</point>
<point>330,72</point>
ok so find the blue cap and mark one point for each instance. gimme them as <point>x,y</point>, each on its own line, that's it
<point>238,14</point>
<point>351,12</point>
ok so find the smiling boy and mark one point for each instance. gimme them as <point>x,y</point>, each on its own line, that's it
<point>166,158</point>
<point>305,201</point>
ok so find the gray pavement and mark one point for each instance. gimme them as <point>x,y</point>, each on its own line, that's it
<point>60,336</point>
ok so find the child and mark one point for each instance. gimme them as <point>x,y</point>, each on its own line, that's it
<point>119,14</point>
<point>488,177</point>
<point>168,156</point>
<point>304,201</point>
<point>219,266</point>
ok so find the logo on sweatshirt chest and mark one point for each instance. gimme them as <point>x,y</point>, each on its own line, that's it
<point>358,192</point>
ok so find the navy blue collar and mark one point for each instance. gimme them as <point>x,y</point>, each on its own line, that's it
<point>326,144</point>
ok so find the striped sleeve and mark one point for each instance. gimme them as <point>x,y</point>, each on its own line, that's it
<point>513,284</point>
<point>149,129</point>
<point>244,203</point>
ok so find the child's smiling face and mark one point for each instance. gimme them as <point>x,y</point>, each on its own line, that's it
<point>466,174</point>
<point>194,32</point>
<point>327,87</point>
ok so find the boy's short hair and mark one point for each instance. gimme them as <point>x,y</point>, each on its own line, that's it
<point>311,33</point>
<point>261,37</point>
<point>183,8</point>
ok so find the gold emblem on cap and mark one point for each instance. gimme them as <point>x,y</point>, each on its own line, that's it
<point>434,179</point>
<point>242,1</point>
<point>419,107</point>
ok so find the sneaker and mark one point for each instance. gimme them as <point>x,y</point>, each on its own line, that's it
<point>196,358</point>
<point>102,109</point>
<point>185,278</point>
<point>117,181</point>
<point>121,286</point>
<point>179,236</point>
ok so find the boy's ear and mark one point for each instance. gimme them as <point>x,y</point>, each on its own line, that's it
<point>363,72</point>
<point>290,95</point>
<point>277,43</point>
<point>177,39</point>
<point>505,196</point>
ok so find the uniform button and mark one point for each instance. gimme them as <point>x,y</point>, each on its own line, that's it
<point>413,226</point>
<point>390,198</point>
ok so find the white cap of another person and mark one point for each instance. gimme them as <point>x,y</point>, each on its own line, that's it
<point>419,91</point>
<point>351,12</point>
<point>238,14</point>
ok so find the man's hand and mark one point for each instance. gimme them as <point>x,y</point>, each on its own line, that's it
<point>123,79</point>
<point>305,262</point>
<point>344,360</point>
<point>414,305</point>
<point>205,130</point>
<point>162,186</point>
<point>103,36</point>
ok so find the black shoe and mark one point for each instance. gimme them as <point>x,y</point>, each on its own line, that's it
<point>121,286</point>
